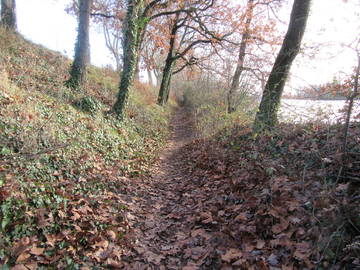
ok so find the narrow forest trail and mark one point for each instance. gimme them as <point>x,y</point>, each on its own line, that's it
<point>162,211</point>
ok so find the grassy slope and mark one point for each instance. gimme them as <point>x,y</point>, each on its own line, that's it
<point>59,165</point>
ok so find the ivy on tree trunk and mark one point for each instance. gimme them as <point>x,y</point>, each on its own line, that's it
<point>168,69</point>
<point>266,117</point>
<point>134,25</point>
<point>82,47</point>
<point>8,14</point>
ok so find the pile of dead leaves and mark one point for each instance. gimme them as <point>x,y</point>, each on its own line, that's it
<point>274,202</point>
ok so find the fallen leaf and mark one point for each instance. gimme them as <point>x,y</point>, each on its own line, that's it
<point>37,251</point>
<point>103,244</point>
<point>280,227</point>
<point>260,244</point>
<point>273,260</point>
<point>20,246</point>
<point>111,234</point>
<point>241,217</point>
<point>31,266</point>
<point>231,255</point>
<point>51,239</point>
<point>114,263</point>
<point>75,215</point>
<point>22,257</point>
<point>19,267</point>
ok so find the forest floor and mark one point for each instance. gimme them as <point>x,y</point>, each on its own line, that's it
<point>161,211</point>
<point>208,206</point>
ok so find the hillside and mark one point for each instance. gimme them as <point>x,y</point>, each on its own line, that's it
<point>184,187</point>
<point>63,158</point>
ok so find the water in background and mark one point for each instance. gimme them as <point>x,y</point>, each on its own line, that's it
<point>327,111</point>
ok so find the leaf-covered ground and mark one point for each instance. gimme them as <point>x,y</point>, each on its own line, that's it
<point>80,190</point>
<point>232,202</point>
<point>64,160</point>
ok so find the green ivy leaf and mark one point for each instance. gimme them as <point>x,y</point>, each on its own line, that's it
<point>5,221</point>
<point>5,151</point>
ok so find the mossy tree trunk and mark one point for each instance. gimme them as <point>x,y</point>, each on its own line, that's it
<point>139,14</point>
<point>168,69</point>
<point>82,47</point>
<point>266,117</point>
<point>8,14</point>
<point>134,25</point>
<point>137,69</point>
<point>241,59</point>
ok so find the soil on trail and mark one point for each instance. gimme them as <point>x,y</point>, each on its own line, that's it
<point>161,212</point>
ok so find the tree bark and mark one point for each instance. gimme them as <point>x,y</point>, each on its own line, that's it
<point>165,82</point>
<point>8,14</point>
<point>169,64</point>
<point>82,47</point>
<point>134,24</point>
<point>240,63</point>
<point>351,105</point>
<point>150,78</point>
<point>113,41</point>
<point>137,69</point>
<point>157,73</point>
<point>266,117</point>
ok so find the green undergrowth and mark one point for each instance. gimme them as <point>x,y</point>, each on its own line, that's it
<point>63,157</point>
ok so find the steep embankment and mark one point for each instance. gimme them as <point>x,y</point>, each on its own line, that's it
<point>61,156</point>
<point>288,199</point>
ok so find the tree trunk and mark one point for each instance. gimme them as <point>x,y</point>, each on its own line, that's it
<point>137,68</point>
<point>158,76</point>
<point>8,14</point>
<point>167,71</point>
<point>150,78</point>
<point>168,85</point>
<point>165,82</point>
<point>240,63</point>
<point>113,43</point>
<point>266,117</point>
<point>82,47</point>
<point>133,26</point>
<point>351,105</point>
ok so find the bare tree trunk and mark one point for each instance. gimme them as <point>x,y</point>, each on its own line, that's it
<point>8,14</point>
<point>157,74</point>
<point>169,64</point>
<point>240,63</point>
<point>113,42</point>
<point>133,28</point>
<point>82,47</point>
<point>266,117</point>
<point>151,81</point>
<point>351,105</point>
<point>165,82</point>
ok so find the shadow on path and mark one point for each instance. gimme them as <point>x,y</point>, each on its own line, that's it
<point>162,212</point>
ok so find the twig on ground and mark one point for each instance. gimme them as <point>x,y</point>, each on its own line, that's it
<point>33,155</point>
